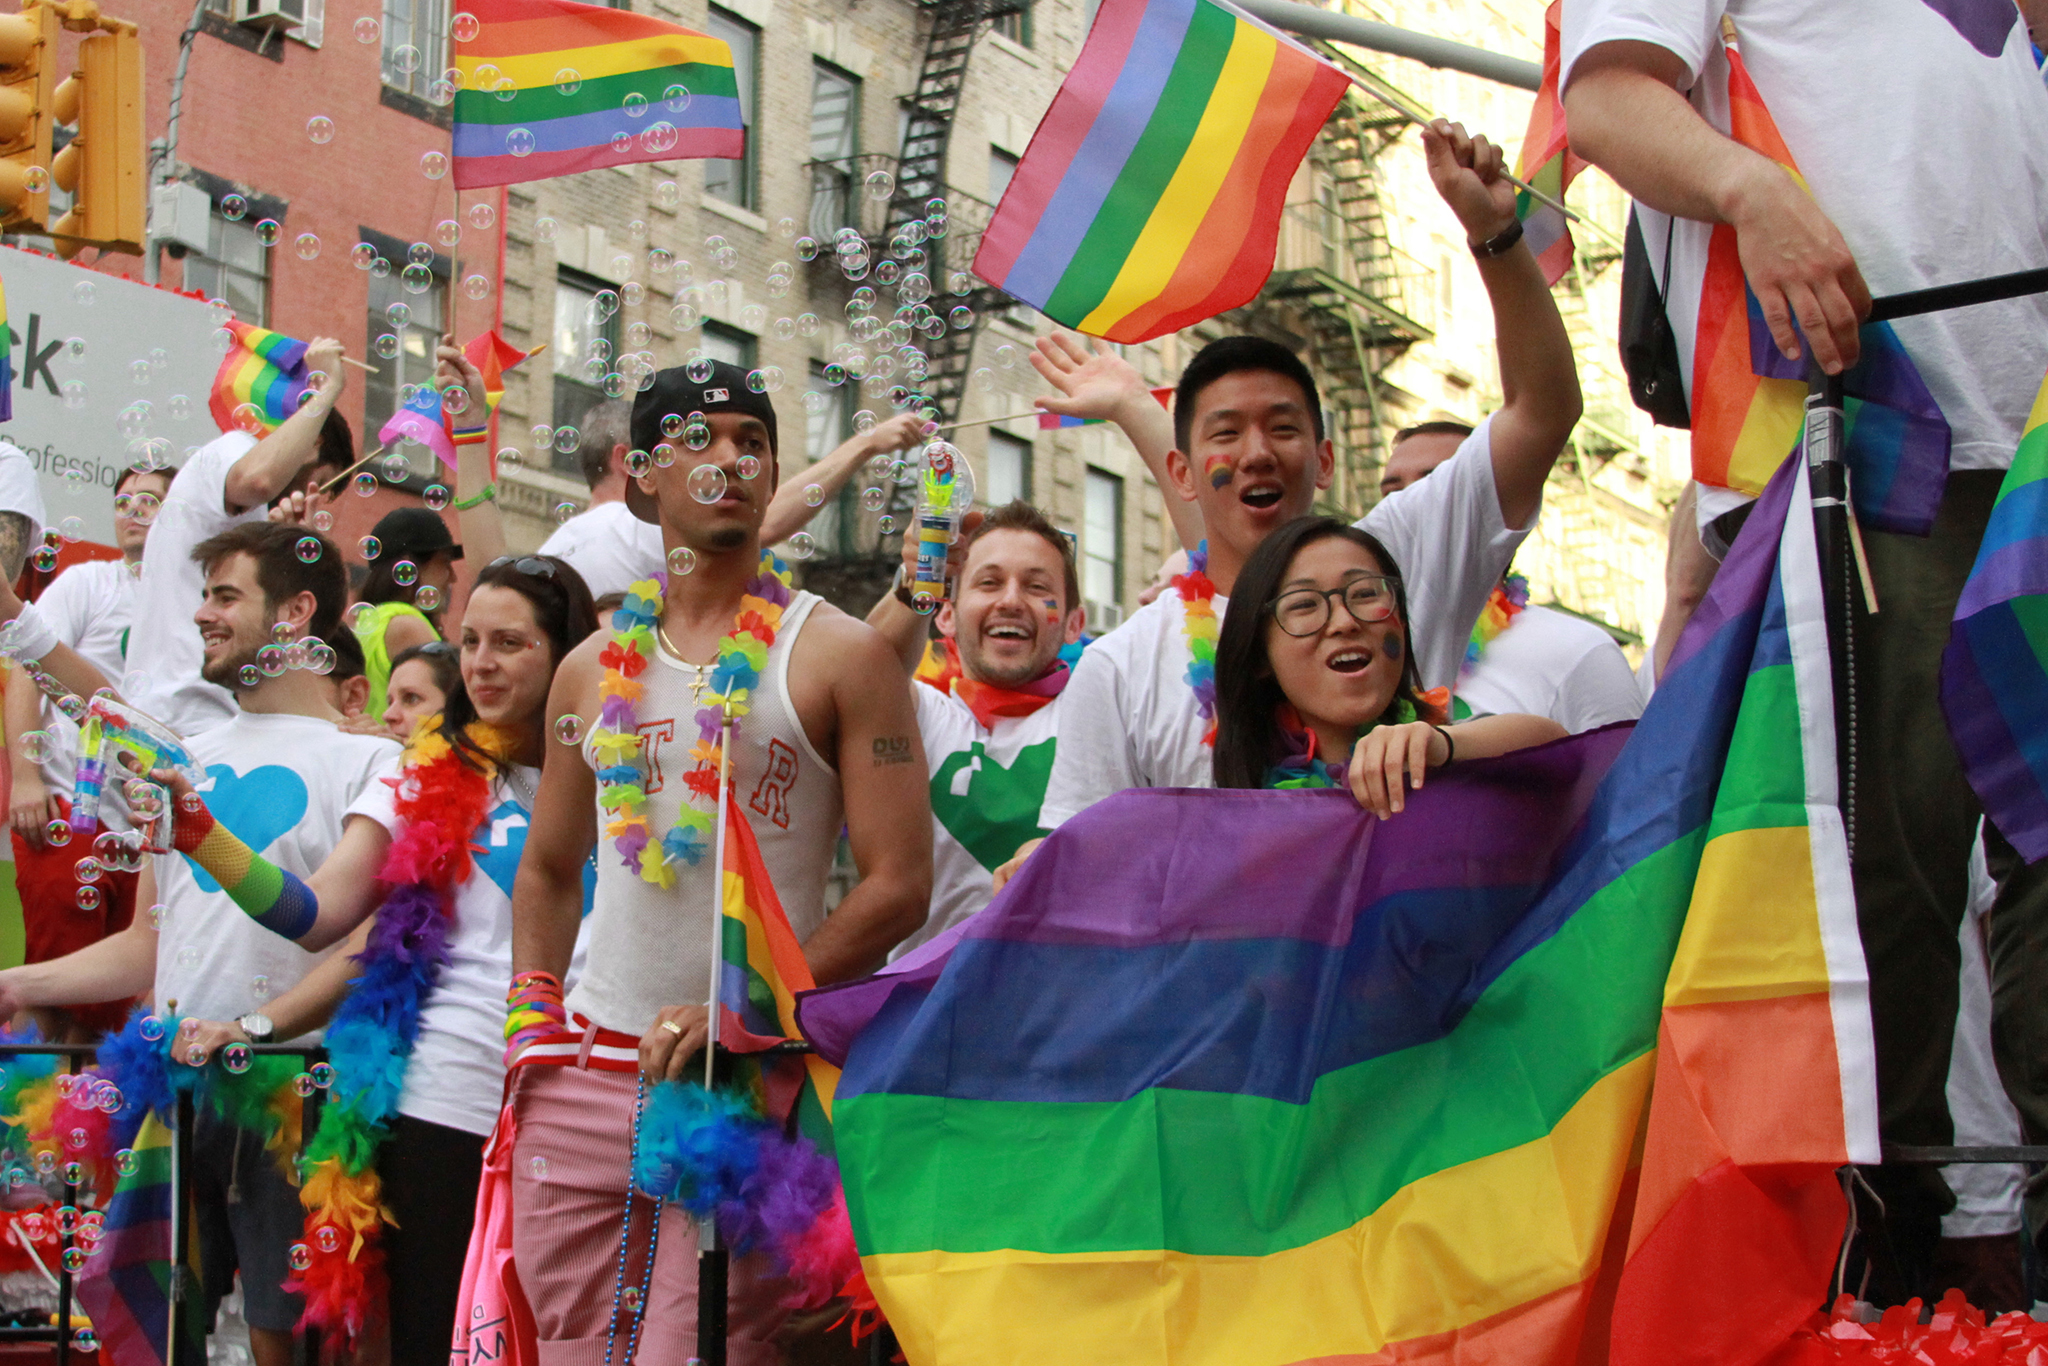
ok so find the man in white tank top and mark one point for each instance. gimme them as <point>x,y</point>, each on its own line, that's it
<point>830,735</point>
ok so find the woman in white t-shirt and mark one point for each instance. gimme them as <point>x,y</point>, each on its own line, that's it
<point>1316,685</point>
<point>421,887</point>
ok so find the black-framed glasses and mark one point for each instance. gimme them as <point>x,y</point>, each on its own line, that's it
<point>1368,598</point>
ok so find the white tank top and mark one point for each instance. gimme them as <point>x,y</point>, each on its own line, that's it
<point>650,948</point>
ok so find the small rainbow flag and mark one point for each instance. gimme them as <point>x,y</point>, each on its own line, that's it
<point>1749,402</point>
<point>421,420</point>
<point>1547,163</point>
<point>125,1286</point>
<point>264,369</point>
<point>493,355</point>
<point>1150,196</point>
<point>6,363</point>
<point>590,86</point>
<point>1994,673</point>
<point>1048,422</point>
<point>764,970</point>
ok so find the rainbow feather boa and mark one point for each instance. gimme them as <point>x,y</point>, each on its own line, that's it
<point>441,802</point>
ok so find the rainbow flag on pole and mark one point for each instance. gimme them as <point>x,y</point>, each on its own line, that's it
<point>1749,402</point>
<point>1547,162</point>
<point>1150,196</point>
<point>591,86</point>
<point>263,371</point>
<point>764,970</point>
<point>1229,1078</point>
<point>1994,673</point>
<point>420,418</point>
<point>1050,422</point>
<point>125,1286</point>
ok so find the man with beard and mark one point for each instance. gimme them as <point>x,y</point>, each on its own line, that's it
<point>289,775</point>
<point>990,724</point>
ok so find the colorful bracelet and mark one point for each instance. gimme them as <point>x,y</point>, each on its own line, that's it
<point>489,494</point>
<point>533,1011</point>
<point>469,436</point>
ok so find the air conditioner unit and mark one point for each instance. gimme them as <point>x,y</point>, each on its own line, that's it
<point>270,13</point>
<point>1103,617</point>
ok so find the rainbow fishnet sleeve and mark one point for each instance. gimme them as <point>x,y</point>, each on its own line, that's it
<point>273,897</point>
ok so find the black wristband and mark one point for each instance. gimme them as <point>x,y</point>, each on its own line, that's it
<point>1500,243</point>
<point>1450,745</point>
<point>902,590</point>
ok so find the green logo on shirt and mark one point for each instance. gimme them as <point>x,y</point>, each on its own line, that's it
<point>991,809</point>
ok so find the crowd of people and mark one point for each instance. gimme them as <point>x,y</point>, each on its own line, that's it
<point>550,766</point>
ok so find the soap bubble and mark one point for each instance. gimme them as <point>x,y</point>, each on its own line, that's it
<point>308,549</point>
<point>873,499</point>
<point>386,346</point>
<point>416,279</point>
<point>447,232</point>
<point>365,484</point>
<point>434,165</point>
<point>676,98</point>
<point>370,546</point>
<point>635,104</point>
<point>35,746</point>
<point>435,497</point>
<point>125,1163</point>
<point>545,228</point>
<point>398,312</point>
<point>520,143</point>
<point>682,560</point>
<point>405,59</point>
<point>569,729</point>
<point>322,1074</point>
<point>707,483</point>
<point>362,254</point>
<point>368,30</point>
<point>234,208</point>
<point>320,128</point>
<point>302,1085</point>
<point>57,833</point>
<point>800,546</point>
<point>236,1058</point>
<point>465,27</point>
<point>327,1239</point>
<point>74,1262</point>
<point>697,435</point>
<point>301,1257</point>
<point>880,184</point>
<point>307,245</point>
<point>699,371</point>
<point>88,869</point>
<point>428,598</point>
<point>477,287</point>
<point>259,986</point>
<point>88,898</point>
<point>483,217</point>
<point>405,573</point>
<point>747,466</point>
<point>814,495</point>
<point>152,1027</point>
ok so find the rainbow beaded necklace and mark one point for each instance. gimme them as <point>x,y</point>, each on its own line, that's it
<point>618,746</point>
<point>1198,624</point>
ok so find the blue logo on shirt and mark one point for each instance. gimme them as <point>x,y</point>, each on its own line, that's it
<point>503,839</point>
<point>258,807</point>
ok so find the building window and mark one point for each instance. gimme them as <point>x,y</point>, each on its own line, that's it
<point>730,345</point>
<point>586,345</point>
<point>828,420</point>
<point>1009,470</point>
<point>732,178</point>
<point>1001,166</point>
<point>236,267</point>
<point>413,361</point>
<point>835,142</point>
<point>415,44</point>
<point>1102,539</point>
<point>1016,25</point>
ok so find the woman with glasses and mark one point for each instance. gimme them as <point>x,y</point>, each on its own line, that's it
<point>420,889</point>
<point>1315,686</point>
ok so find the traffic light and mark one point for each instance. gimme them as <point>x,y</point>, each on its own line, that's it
<point>28,58</point>
<point>102,166</point>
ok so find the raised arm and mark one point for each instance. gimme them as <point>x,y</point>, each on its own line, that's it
<point>906,629</point>
<point>547,895</point>
<point>264,471</point>
<point>1539,380</point>
<point>1103,385</point>
<point>789,511</point>
<point>477,519</point>
<point>888,808</point>
<point>1627,117</point>
<point>35,638</point>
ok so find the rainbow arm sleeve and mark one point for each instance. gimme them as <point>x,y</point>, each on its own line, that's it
<point>273,897</point>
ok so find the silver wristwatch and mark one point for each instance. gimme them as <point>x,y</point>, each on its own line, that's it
<point>257,1026</point>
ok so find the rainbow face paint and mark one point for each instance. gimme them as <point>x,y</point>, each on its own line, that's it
<point>1219,470</point>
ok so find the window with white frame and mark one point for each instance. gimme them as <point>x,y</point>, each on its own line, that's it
<point>1102,539</point>
<point>415,44</point>
<point>235,267</point>
<point>1009,470</point>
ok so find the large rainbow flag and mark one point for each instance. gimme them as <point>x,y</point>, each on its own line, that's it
<point>1749,402</point>
<point>1150,196</point>
<point>591,86</point>
<point>264,369</point>
<point>1241,1078</point>
<point>1994,674</point>
<point>1547,162</point>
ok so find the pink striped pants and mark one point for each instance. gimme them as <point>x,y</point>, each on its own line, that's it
<point>569,1171</point>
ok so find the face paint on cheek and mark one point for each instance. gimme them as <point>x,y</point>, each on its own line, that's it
<point>1392,649</point>
<point>1052,610</point>
<point>1217,467</point>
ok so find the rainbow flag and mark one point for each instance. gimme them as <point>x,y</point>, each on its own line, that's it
<point>262,368</point>
<point>421,419</point>
<point>125,1286</point>
<point>591,86</point>
<point>1150,196</point>
<point>1547,162</point>
<point>1994,673</point>
<point>1226,1077</point>
<point>1048,422</point>
<point>1749,402</point>
<point>6,363</point>
<point>764,970</point>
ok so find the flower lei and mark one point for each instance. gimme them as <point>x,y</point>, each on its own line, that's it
<point>441,802</point>
<point>1198,624</point>
<point>618,744</point>
<point>1503,605</point>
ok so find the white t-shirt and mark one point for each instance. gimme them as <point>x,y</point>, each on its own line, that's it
<point>164,643</point>
<point>987,786</point>
<point>282,785</point>
<point>91,605</point>
<point>1553,664</point>
<point>457,1073</point>
<point>1927,153</point>
<point>1128,719</point>
<point>610,547</point>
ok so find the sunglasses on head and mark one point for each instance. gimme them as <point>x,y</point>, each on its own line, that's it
<point>531,565</point>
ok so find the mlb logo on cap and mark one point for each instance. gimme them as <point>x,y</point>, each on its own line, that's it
<point>718,395</point>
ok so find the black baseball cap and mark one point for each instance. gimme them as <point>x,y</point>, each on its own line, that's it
<point>413,534</point>
<point>723,389</point>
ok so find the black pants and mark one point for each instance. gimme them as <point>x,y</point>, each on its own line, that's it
<point>430,1175</point>
<point>1916,819</point>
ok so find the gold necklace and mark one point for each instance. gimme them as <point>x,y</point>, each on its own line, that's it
<point>699,673</point>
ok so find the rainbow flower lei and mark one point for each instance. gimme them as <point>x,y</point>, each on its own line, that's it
<point>1199,625</point>
<point>618,744</point>
<point>1503,605</point>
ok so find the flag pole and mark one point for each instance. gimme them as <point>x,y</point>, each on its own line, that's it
<point>1416,116</point>
<point>1841,572</point>
<point>712,1265</point>
<point>337,479</point>
<point>1006,417</point>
